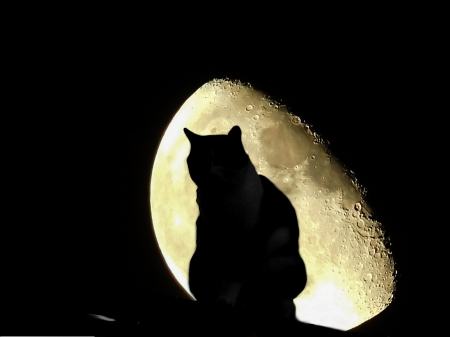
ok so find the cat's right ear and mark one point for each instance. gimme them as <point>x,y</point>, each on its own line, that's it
<point>189,134</point>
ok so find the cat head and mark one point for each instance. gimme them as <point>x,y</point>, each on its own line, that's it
<point>214,159</point>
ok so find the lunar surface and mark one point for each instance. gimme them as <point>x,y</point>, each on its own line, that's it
<point>351,274</point>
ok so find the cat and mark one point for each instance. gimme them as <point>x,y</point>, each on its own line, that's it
<point>247,252</point>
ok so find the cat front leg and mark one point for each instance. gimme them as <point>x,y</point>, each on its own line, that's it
<point>229,293</point>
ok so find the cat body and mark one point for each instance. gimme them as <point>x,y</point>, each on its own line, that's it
<point>247,253</point>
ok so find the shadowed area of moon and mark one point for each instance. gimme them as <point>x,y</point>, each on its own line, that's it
<point>351,274</point>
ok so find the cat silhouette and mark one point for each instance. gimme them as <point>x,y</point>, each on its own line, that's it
<point>247,252</point>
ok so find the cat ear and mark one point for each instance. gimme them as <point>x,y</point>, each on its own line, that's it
<point>191,136</point>
<point>235,132</point>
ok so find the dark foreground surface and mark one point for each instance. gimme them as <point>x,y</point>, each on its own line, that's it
<point>162,317</point>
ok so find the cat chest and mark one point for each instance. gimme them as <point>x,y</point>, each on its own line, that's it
<point>239,211</point>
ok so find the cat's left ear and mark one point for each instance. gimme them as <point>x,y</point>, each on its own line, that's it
<point>235,132</point>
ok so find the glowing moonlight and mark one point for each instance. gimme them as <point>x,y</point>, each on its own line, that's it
<point>350,270</point>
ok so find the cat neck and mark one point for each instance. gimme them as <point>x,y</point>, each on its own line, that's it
<point>240,195</point>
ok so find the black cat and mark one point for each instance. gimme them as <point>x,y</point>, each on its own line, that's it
<point>247,255</point>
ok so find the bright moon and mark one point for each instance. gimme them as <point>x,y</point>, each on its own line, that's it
<point>351,275</point>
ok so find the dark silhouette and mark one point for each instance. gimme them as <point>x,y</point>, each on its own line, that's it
<point>247,257</point>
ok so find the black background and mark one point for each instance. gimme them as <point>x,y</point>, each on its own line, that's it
<point>91,114</point>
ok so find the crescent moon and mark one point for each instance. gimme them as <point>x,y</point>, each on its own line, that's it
<point>351,274</point>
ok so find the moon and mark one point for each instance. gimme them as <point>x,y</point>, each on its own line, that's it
<point>350,268</point>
